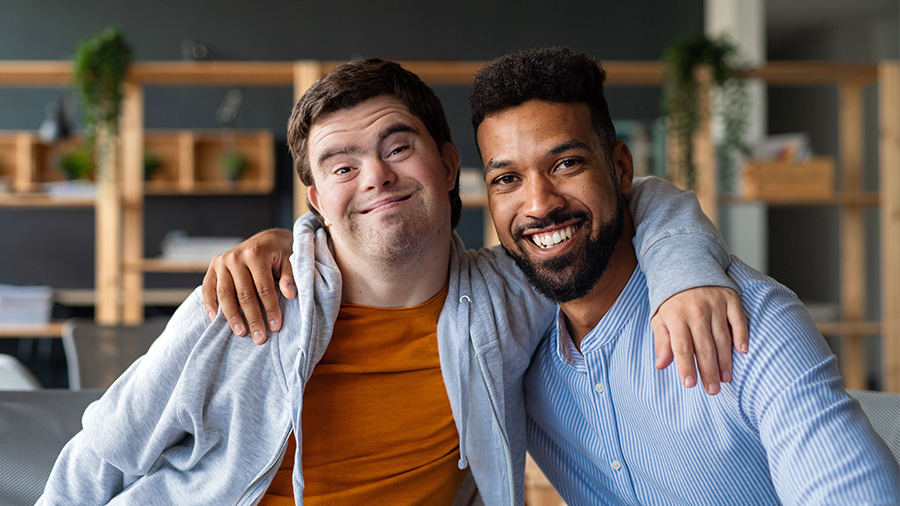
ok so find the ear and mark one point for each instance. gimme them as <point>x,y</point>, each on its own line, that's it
<point>624,164</point>
<point>450,159</point>
<point>312,196</point>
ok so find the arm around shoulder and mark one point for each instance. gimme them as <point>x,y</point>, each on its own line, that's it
<point>677,246</point>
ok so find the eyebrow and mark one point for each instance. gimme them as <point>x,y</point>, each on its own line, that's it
<point>356,150</point>
<point>558,149</point>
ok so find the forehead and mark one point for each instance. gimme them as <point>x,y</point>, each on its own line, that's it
<point>360,123</point>
<point>534,125</point>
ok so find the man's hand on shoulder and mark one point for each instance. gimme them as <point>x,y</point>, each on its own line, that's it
<point>244,276</point>
<point>702,321</point>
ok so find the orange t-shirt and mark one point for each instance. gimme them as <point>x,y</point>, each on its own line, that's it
<point>377,425</point>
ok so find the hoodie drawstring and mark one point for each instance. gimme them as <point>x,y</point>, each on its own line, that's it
<point>464,367</point>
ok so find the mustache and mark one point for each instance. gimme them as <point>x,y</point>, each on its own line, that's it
<point>553,220</point>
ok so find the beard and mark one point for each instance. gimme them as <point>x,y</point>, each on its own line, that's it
<point>571,275</point>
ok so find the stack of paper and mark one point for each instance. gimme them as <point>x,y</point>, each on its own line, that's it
<point>25,304</point>
<point>178,246</point>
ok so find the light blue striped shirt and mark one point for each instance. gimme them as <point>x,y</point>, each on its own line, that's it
<point>608,428</point>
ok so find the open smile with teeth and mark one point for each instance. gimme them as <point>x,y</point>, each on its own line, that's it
<point>546,240</point>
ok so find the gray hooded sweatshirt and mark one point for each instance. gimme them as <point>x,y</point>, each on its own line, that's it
<point>204,417</point>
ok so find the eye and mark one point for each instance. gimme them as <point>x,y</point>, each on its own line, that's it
<point>342,170</point>
<point>568,163</point>
<point>398,150</point>
<point>505,179</point>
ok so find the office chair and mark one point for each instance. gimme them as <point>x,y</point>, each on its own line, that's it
<point>98,354</point>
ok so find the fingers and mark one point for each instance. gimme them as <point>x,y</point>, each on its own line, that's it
<point>245,289</point>
<point>662,342</point>
<point>740,327</point>
<point>229,303</point>
<point>683,348</point>
<point>721,336</point>
<point>265,288</point>
<point>286,281</point>
<point>208,290</point>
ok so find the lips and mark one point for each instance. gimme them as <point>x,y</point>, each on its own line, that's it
<point>551,238</point>
<point>384,202</point>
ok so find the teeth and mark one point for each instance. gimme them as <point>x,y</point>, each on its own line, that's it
<point>552,239</point>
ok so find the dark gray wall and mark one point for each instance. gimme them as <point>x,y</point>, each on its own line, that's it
<point>56,247</point>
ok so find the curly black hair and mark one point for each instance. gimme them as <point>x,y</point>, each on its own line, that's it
<point>554,74</point>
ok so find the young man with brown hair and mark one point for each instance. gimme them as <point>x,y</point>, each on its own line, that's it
<point>401,360</point>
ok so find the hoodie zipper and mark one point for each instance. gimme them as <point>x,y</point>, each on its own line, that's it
<point>509,474</point>
<point>265,471</point>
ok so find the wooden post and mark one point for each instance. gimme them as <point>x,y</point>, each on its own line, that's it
<point>108,240</point>
<point>889,173</point>
<point>306,73</point>
<point>706,179</point>
<point>852,247</point>
<point>132,133</point>
<point>26,163</point>
<point>186,178</point>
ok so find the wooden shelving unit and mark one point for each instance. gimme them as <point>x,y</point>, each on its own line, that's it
<point>851,80</point>
<point>120,262</point>
<point>191,162</point>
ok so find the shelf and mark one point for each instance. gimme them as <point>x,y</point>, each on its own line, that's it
<point>191,165</point>
<point>172,266</point>
<point>43,200</point>
<point>53,329</point>
<point>77,297</point>
<point>191,161</point>
<point>849,328</point>
<point>474,200</point>
<point>862,199</point>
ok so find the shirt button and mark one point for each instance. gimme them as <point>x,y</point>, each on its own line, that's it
<point>616,465</point>
<point>599,388</point>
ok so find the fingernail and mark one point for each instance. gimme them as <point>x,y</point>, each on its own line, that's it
<point>211,315</point>
<point>258,337</point>
<point>239,329</point>
<point>689,381</point>
<point>744,347</point>
<point>292,288</point>
<point>726,376</point>
<point>713,388</point>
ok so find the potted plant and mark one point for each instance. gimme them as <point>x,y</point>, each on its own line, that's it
<point>234,164</point>
<point>98,71</point>
<point>76,166</point>
<point>680,101</point>
<point>152,165</point>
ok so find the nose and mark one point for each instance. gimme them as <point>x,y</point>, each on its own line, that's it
<point>541,198</point>
<point>378,174</point>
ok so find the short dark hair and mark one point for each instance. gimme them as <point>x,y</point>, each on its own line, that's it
<point>554,74</point>
<point>353,83</point>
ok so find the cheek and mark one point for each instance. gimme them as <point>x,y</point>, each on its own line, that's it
<point>502,215</point>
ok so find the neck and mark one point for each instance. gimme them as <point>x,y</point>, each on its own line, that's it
<point>583,314</point>
<point>397,283</point>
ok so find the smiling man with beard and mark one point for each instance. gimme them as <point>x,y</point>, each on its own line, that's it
<point>605,427</point>
<point>400,362</point>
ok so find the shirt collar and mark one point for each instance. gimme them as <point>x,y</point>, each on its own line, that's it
<point>609,327</point>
